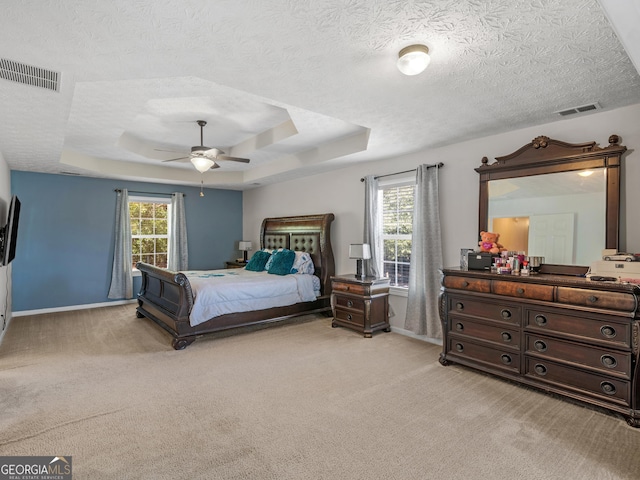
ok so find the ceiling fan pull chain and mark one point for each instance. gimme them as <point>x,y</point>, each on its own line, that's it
<point>201,185</point>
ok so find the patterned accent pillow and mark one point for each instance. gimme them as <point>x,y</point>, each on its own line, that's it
<point>258,261</point>
<point>303,264</point>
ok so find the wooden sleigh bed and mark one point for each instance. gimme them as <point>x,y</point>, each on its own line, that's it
<point>166,297</point>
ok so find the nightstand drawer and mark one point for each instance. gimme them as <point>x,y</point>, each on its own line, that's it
<point>350,316</point>
<point>349,302</point>
<point>348,287</point>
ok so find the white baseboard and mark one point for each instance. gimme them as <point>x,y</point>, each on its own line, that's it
<point>409,333</point>
<point>71,307</point>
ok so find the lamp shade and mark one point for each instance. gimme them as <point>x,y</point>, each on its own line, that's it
<point>413,59</point>
<point>244,245</point>
<point>360,250</point>
<point>202,164</point>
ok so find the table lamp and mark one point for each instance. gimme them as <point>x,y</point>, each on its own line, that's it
<point>359,251</point>
<point>244,246</point>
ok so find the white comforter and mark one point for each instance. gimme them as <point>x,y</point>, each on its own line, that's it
<point>217,292</point>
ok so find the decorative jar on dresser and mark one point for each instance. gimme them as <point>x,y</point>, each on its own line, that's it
<point>566,335</point>
<point>360,303</point>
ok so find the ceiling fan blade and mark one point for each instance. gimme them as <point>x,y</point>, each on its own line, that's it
<point>171,151</point>
<point>233,159</point>
<point>175,159</point>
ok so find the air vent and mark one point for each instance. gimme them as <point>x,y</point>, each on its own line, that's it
<point>29,75</point>
<point>582,109</point>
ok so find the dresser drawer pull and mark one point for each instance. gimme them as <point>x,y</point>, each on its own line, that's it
<point>349,303</point>
<point>540,369</point>
<point>506,359</point>
<point>505,313</point>
<point>459,306</point>
<point>349,317</point>
<point>608,361</point>
<point>541,320</point>
<point>465,284</point>
<point>459,327</point>
<point>520,291</point>
<point>592,299</point>
<point>459,347</point>
<point>540,346</point>
<point>608,331</point>
<point>506,337</point>
<point>608,388</point>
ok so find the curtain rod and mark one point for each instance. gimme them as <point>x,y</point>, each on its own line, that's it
<point>147,193</point>
<point>437,165</point>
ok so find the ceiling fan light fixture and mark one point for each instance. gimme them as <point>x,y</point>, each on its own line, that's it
<point>202,164</point>
<point>413,59</point>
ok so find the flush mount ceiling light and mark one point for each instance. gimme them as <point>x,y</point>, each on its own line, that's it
<point>413,59</point>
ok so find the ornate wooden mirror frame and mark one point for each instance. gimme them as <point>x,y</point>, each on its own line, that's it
<point>545,155</point>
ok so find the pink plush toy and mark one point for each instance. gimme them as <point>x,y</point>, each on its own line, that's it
<point>489,242</point>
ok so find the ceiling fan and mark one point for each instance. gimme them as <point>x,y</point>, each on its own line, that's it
<point>203,157</point>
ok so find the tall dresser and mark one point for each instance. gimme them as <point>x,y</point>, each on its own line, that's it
<point>567,335</point>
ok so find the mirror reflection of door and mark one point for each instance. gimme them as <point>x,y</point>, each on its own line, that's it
<point>551,237</point>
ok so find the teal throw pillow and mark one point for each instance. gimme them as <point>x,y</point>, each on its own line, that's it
<point>258,261</point>
<point>281,262</point>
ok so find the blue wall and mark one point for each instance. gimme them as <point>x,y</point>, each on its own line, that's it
<point>65,238</point>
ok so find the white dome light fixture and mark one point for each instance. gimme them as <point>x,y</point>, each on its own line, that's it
<point>413,59</point>
<point>202,164</point>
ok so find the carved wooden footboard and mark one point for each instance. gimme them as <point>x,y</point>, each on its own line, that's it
<point>166,297</point>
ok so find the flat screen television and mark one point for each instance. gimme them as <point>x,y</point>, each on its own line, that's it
<point>9,233</point>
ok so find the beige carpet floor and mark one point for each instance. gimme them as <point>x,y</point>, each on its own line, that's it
<point>295,401</point>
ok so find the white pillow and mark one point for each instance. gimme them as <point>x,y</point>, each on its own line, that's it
<point>303,263</point>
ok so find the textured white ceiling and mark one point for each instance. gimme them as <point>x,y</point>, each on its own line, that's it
<point>298,86</point>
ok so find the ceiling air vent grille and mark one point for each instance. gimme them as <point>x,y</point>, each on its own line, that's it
<point>582,109</point>
<point>29,75</point>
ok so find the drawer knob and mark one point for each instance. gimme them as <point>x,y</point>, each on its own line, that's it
<point>608,331</point>
<point>592,299</point>
<point>541,320</point>
<point>520,290</point>
<point>608,361</point>
<point>459,327</point>
<point>608,388</point>
<point>505,313</point>
<point>540,346</point>
<point>459,306</point>
<point>540,369</point>
<point>465,284</point>
<point>349,303</point>
<point>459,347</point>
<point>349,316</point>
<point>506,337</point>
<point>506,359</point>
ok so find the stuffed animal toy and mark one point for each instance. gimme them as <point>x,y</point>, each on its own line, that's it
<point>489,242</point>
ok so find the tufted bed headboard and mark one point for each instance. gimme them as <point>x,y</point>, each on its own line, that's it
<point>306,233</point>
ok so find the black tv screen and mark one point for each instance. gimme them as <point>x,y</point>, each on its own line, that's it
<point>9,234</point>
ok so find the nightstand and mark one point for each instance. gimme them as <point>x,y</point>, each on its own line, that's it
<point>234,264</point>
<point>361,304</point>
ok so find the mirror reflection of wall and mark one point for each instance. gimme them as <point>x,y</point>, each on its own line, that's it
<point>574,203</point>
<point>514,232</point>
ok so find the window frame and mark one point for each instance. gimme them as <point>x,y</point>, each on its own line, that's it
<point>148,199</point>
<point>406,180</point>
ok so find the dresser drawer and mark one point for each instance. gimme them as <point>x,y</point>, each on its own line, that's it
<point>579,327</point>
<point>350,316</point>
<point>481,308</point>
<point>625,302</point>
<point>471,284</point>
<point>503,359</point>
<point>610,389</point>
<point>349,287</point>
<point>523,290</point>
<point>345,301</point>
<point>507,337</point>
<point>609,361</point>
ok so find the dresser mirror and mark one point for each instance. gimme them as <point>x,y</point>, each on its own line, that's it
<point>554,199</point>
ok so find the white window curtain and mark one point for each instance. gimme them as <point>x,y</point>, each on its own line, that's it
<point>372,227</point>
<point>422,316</point>
<point>121,276</point>
<point>178,251</point>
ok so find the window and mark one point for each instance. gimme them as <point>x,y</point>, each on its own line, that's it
<point>397,228</point>
<point>149,230</point>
